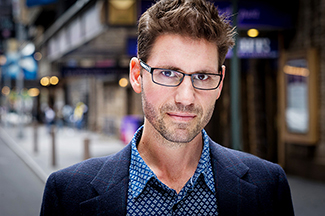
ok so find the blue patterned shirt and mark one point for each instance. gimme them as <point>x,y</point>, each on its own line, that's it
<point>147,195</point>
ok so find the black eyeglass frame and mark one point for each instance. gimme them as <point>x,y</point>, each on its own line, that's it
<point>151,69</point>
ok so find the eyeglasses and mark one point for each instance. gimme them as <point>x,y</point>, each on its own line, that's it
<point>172,78</point>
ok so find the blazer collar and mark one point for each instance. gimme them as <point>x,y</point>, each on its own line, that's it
<point>235,195</point>
<point>226,159</point>
<point>111,183</point>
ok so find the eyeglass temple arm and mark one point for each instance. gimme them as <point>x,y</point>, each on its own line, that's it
<point>145,66</point>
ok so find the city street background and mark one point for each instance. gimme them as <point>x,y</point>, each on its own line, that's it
<point>66,62</point>
<point>24,172</point>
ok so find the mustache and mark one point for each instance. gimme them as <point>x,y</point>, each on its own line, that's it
<point>181,108</point>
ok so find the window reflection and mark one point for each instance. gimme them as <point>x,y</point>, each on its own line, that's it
<point>297,110</point>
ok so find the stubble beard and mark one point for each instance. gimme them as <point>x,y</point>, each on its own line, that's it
<point>177,134</point>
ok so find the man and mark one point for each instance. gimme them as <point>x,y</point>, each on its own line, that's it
<point>171,166</point>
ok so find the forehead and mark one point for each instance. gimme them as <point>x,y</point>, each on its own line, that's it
<point>184,52</point>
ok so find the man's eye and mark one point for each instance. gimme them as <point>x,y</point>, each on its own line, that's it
<point>168,73</point>
<point>201,77</point>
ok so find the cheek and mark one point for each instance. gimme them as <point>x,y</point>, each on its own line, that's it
<point>210,109</point>
<point>150,104</point>
<point>153,97</point>
<point>209,103</point>
<point>209,98</point>
<point>156,95</point>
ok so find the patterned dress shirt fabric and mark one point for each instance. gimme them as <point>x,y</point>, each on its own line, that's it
<point>147,195</point>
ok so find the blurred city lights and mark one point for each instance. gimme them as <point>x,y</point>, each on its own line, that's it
<point>123,82</point>
<point>33,92</point>
<point>54,80</point>
<point>3,60</point>
<point>252,32</point>
<point>38,56</point>
<point>45,81</point>
<point>297,71</point>
<point>29,49</point>
<point>122,5</point>
<point>5,90</point>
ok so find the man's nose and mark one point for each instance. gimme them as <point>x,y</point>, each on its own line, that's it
<point>185,92</point>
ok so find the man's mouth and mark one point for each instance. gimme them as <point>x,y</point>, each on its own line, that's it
<point>181,116</point>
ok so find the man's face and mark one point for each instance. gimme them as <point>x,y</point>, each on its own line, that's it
<point>179,113</point>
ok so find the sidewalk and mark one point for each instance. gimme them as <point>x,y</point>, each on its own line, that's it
<point>69,145</point>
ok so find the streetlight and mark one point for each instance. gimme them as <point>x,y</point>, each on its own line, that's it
<point>33,92</point>
<point>50,82</point>
<point>46,81</point>
<point>123,82</point>
<point>5,90</point>
<point>54,80</point>
<point>253,33</point>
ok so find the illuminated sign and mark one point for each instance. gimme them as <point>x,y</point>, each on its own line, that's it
<point>247,48</point>
<point>256,48</point>
<point>257,15</point>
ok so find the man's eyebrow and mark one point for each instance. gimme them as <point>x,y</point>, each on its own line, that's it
<point>170,68</point>
<point>193,72</point>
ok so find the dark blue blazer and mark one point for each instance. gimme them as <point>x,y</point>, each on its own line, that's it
<point>245,185</point>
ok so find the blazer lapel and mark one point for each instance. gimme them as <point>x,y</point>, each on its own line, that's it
<point>235,196</point>
<point>111,183</point>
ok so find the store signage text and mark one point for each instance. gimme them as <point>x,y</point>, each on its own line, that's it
<point>256,48</point>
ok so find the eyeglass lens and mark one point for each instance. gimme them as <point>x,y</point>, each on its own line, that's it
<point>174,78</point>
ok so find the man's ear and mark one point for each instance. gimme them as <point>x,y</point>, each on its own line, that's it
<point>223,72</point>
<point>135,77</point>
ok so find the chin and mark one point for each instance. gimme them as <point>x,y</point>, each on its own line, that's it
<point>179,135</point>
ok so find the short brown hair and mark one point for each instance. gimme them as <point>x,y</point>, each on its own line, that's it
<point>197,19</point>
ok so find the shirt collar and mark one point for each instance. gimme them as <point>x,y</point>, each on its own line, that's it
<point>140,173</point>
<point>204,166</point>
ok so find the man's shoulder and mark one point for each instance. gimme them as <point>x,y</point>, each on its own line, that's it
<point>251,178</point>
<point>67,188</point>
<point>87,170</point>
<point>88,167</point>
<point>241,160</point>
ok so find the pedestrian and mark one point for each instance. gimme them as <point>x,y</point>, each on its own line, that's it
<point>78,115</point>
<point>49,118</point>
<point>171,166</point>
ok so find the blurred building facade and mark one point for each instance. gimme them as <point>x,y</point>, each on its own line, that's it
<point>302,103</point>
<point>87,45</point>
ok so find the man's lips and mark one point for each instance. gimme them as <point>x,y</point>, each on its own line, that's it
<point>182,116</point>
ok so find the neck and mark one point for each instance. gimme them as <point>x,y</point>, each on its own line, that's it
<point>173,163</point>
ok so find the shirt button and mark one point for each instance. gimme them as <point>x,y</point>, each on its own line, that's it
<point>174,207</point>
